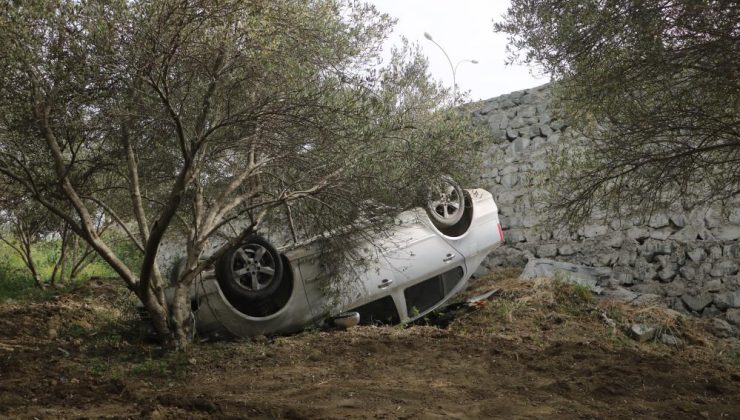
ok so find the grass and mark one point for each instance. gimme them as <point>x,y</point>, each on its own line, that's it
<point>544,311</point>
<point>573,299</point>
<point>100,325</point>
<point>104,340</point>
<point>172,365</point>
<point>100,320</point>
<point>504,310</point>
<point>734,358</point>
<point>16,282</point>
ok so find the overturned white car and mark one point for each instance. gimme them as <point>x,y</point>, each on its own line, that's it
<point>416,266</point>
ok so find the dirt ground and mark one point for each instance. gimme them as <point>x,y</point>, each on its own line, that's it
<point>534,351</point>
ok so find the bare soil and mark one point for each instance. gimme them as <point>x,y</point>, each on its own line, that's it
<point>534,351</point>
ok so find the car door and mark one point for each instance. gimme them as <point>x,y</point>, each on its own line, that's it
<point>406,255</point>
<point>426,268</point>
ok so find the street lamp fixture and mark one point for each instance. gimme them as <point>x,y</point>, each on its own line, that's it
<point>453,68</point>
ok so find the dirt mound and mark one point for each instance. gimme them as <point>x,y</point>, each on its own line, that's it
<point>535,350</point>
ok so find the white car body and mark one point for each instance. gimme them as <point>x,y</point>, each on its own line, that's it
<point>412,270</point>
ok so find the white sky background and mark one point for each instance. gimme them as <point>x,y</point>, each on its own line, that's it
<point>464,28</point>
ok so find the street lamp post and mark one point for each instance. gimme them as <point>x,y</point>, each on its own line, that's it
<point>453,68</point>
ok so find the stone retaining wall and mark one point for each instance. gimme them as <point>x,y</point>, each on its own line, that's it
<point>691,258</point>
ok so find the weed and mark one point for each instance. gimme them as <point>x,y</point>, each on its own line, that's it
<point>106,369</point>
<point>401,326</point>
<point>504,309</point>
<point>734,357</point>
<point>16,282</point>
<point>76,331</point>
<point>16,285</point>
<point>171,365</point>
<point>572,299</point>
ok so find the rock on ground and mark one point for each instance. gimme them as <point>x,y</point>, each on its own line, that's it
<point>585,276</point>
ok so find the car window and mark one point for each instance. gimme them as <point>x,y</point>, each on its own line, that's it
<point>428,293</point>
<point>381,311</point>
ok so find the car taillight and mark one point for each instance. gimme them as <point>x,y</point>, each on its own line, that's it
<point>500,232</point>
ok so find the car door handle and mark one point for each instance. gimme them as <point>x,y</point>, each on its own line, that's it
<point>385,283</point>
<point>448,258</point>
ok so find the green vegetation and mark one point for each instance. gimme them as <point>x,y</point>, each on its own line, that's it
<point>504,309</point>
<point>655,88</point>
<point>572,299</point>
<point>169,365</point>
<point>114,341</point>
<point>17,283</point>
<point>734,358</point>
<point>111,357</point>
<point>177,119</point>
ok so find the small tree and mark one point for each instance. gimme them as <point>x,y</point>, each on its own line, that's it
<point>25,226</point>
<point>21,229</point>
<point>185,116</point>
<point>654,85</point>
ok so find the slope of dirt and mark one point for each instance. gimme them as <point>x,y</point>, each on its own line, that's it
<point>534,351</point>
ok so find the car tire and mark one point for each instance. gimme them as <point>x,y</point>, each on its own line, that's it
<point>250,272</point>
<point>446,203</point>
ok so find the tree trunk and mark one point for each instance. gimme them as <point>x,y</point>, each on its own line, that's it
<point>181,316</point>
<point>59,266</point>
<point>37,278</point>
<point>80,264</point>
<point>26,239</point>
<point>159,318</point>
<point>32,267</point>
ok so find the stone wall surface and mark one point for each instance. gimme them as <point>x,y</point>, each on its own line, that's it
<point>690,258</point>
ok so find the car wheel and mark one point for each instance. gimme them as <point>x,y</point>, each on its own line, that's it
<point>251,271</point>
<point>445,203</point>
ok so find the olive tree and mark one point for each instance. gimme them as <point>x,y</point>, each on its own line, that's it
<point>653,85</point>
<point>179,117</point>
<point>20,229</point>
<point>26,226</point>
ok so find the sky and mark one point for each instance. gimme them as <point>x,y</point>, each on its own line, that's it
<point>464,28</point>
